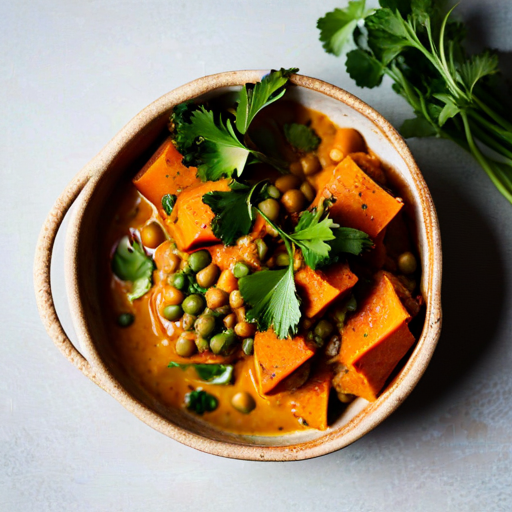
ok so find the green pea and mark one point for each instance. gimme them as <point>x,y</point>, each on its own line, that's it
<point>282,259</point>
<point>187,322</point>
<point>199,260</point>
<point>185,347</point>
<point>202,344</point>
<point>273,192</point>
<point>178,281</point>
<point>173,313</point>
<point>339,313</point>
<point>248,346</point>
<point>352,304</point>
<point>125,319</point>
<point>323,329</point>
<point>223,342</point>
<point>319,341</point>
<point>193,304</point>
<point>241,270</point>
<point>205,325</point>
<point>407,263</point>
<point>262,248</point>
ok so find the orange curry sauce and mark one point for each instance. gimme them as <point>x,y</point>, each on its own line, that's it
<point>148,345</point>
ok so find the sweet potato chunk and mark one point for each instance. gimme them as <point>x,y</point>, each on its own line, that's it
<point>373,342</point>
<point>189,223</point>
<point>275,359</point>
<point>310,401</point>
<point>340,276</point>
<point>360,202</point>
<point>319,289</point>
<point>164,174</point>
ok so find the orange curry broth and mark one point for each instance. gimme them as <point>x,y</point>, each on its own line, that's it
<point>147,346</point>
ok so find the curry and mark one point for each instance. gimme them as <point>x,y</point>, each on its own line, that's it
<point>262,304</point>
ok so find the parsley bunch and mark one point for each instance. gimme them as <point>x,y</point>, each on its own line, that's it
<point>420,48</point>
<point>214,144</point>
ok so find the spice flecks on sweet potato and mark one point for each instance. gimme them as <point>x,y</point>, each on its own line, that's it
<point>359,202</point>
<point>373,342</point>
<point>189,223</point>
<point>164,174</point>
<point>275,359</point>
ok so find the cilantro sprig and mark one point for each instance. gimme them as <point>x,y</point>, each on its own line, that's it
<point>214,144</point>
<point>418,45</point>
<point>273,297</point>
<point>255,97</point>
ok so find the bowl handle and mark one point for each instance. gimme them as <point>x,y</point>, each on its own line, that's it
<point>42,277</point>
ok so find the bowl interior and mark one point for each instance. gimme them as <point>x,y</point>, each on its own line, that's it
<point>121,160</point>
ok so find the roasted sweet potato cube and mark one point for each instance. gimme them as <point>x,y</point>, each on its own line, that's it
<point>275,359</point>
<point>319,289</point>
<point>311,400</point>
<point>164,174</point>
<point>373,342</point>
<point>340,276</point>
<point>360,202</point>
<point>189,223</point>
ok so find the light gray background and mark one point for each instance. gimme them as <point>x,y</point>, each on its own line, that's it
<point>71,75</point>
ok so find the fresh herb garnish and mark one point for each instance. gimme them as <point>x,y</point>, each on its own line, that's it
<point>211,373</point>
<point>301,137</point>
<point>274,300</point>
<point>168,202</point>
<point>130,263</point>
<point>200,401</point>
<point>311,235</point>
<point>346,241</point>
<point>421,50</point>
<point>255,97</point>
<point>210,141</point>
<point>337,27</point>
<point>233,211</point>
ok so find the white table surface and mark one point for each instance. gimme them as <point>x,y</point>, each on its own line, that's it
<point>71,75</point>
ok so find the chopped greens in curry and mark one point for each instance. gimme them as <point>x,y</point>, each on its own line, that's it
<point>261,267</point>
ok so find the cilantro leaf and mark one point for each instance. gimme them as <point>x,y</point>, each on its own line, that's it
<point>337,27</point>
<point>274,300</point>
<point>130,263</point>
<point>200,401</point>
<point>216,150</point>
<point>312,235</point>
<point>254,97</point>
<point>364,69</point>
<point>301,137</point>
<point>212,373</point>
<point>168,202</point>
<point>477,67</point>
<point>387,34</point>
<point>233,212</point>
<point>348,240</point>
<point>417,127</point>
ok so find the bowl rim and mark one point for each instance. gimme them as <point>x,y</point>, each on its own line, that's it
<point>375,412</point>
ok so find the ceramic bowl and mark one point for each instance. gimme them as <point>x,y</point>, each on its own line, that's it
<point>90,191</point>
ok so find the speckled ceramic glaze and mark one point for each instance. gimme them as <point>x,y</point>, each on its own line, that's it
<point>90,191</point>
